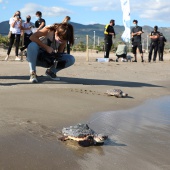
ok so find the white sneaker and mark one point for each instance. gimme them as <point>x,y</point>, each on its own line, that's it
<point>33,78</point>
<point>6,58</point>
<point>17,59</point>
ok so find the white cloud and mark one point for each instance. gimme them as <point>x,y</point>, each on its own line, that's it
<point>1,1</point>
<point>151,9</point>
<point>83,3</point>
<point>95,5</point>
<point>157,10</point>
<point>108,7</point>
<point>31,8</point>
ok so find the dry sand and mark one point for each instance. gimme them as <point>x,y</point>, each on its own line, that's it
<point>32,115</point>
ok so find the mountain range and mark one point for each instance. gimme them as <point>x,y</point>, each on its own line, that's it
<point>96,30</point>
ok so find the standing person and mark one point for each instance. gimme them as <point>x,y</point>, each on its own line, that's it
<point>15,28</point>
<point>55,38</point>
<point>161,44</point>
<point>26,27</point>
<point>137,40</point>
<point>67,20</point>
<point>154,36</point>
<point>40,23</point>
<point>109,33</point>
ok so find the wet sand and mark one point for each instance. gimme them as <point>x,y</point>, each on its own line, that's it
<point>32,116</point>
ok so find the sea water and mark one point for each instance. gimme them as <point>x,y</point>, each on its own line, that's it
<point>138,138</point>
<point>153,112</point>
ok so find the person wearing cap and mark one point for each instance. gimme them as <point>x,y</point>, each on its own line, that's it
<point>26,28</point>
<point>161,44</point>
<point>108,34</point>
<point>136,33</point>
<point>154,36</point>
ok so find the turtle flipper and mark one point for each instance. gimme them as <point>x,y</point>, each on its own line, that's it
<point>88,142</point>
<point>63,138</point>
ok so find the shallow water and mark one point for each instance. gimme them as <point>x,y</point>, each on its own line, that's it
<point>139,138</point>
<point>153,112</point>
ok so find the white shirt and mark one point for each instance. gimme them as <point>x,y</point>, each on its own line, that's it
<point>27,25</point>
<point>16,29</point>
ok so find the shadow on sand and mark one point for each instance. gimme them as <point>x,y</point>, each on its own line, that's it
<point>68,80</point>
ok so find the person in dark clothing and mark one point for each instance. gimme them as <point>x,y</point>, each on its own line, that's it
<point>136,40</point>
<point>161,44</point>
<point>40,23</point>
<point>108,33</point>
<point>154,36</point>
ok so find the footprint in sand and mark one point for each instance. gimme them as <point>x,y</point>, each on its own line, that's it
<point>84,91</point>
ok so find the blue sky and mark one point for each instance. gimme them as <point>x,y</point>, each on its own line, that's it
<point>147,12</point>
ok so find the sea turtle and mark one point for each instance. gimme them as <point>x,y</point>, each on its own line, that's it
<point>116,93</point>
<point>84,135</point>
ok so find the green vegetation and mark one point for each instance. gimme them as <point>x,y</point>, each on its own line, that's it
<point>80,43</point>
<point>4,40</point>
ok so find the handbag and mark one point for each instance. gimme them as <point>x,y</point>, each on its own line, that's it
<point>9,34</point>
<point>45,59</point>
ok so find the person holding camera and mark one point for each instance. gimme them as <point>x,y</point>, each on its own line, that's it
<point>137,40</point>
<point>26,28</point>
<point>121,51</point>
<point>15,33</point>
<point>52,40</point>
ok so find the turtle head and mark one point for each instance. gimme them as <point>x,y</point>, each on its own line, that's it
<point>100,138</point>
<point>124,94</point>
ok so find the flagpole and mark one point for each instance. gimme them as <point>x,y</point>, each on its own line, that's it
<point>130,37</point>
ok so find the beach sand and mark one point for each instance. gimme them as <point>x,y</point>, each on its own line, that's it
<point>32,115</point>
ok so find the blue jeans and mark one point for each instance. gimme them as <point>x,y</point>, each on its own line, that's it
<point>32,53</point>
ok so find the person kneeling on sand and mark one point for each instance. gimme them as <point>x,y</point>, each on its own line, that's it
<point>121,51</point>
<point>51,39</point>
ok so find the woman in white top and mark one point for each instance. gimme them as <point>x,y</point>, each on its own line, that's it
<point>15,28</point>
<point>51,39</point>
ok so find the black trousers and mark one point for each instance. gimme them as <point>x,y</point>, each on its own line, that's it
<point>153,46</point>
<point>16,38</point>
<point>108,45</point>
<point>136,45</point>
<point>161,52</point>
<point>26,41</point>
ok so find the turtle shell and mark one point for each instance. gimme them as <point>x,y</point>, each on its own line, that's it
<point>115,92</point>
<point>78,131</point>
